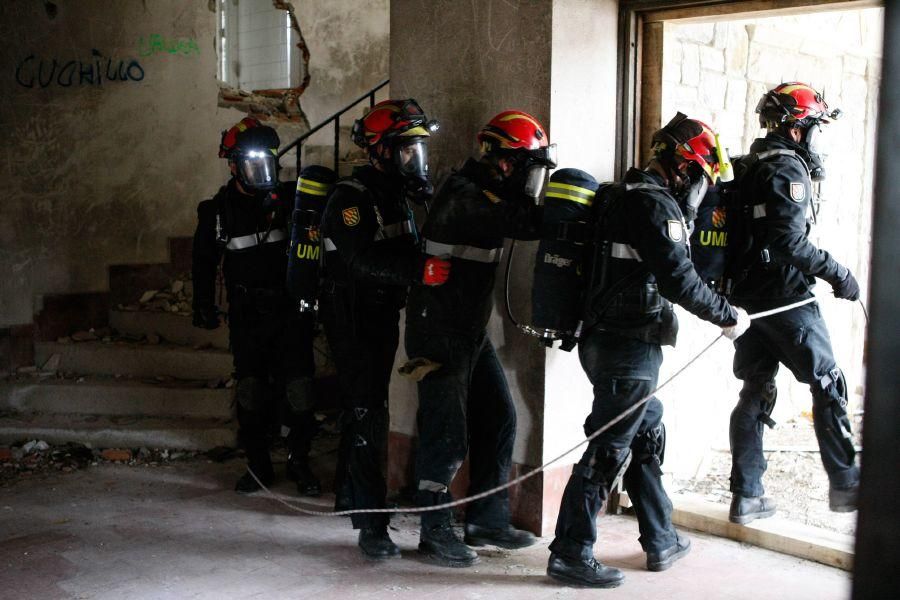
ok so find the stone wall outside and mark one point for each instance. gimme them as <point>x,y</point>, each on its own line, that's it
<point>717,72</point>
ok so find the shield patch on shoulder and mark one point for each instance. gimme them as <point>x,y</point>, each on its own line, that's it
<point>676,231</point>
<point>798,191</point>
<point>351,216</point>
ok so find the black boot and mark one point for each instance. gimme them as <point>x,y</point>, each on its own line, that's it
<point>376,543</point>
<point>504,537</point>
<point>443,546</point>
<point>584,573</point>
<point>843,499</point>
<point>745,509</point>
<point>262,469</point>
<point>660,561</point>
<point>298,470</point>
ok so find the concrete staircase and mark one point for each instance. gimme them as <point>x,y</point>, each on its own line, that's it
<point>123,394</point>
<point>154,382</point>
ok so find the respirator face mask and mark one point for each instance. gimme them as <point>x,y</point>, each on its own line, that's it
<point>815,141</point>
<point>411,160</point>
<point>258,169</point>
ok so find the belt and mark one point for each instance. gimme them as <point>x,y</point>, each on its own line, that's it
<point>248,241</point>
<point>464,252</point>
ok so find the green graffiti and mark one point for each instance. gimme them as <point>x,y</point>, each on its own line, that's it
<point>157,44</point>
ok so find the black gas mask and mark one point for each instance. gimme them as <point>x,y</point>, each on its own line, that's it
<point>813,142</point>
<point>530,172</point>
<point>693,188</point>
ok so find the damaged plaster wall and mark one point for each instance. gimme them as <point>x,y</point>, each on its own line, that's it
<point>465,63</point>
<point>101,170</point>
<point>349,43</point>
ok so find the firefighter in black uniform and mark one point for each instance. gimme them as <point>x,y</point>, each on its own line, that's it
<point>371,259</point>
<point>782,270</point>
<point>465,405</point>
<point>644,267</point>
<point>246,223</point>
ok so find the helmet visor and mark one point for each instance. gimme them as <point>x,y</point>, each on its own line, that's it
<point>535,178</point>
<point>258,169</point>
<point>412,158</point>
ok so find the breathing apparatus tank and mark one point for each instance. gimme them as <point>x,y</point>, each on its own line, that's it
<point>566,239</point>
<point>305,251</point>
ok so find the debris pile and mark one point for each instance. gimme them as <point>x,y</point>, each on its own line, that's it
<point>176,298</point>
<point>37,457</point>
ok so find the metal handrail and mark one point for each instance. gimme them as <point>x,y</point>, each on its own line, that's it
<point>336,117</point>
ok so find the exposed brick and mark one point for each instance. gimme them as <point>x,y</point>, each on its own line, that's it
<point>116,454</point>
<point>5,454</point>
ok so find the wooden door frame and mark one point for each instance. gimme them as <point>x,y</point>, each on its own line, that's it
<point>639,73</point>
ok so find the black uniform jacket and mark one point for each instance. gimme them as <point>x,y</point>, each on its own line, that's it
<point>252,233</point>
<point>780,189</point>
<point>370,239</point>
<point>649,252</point>
<point>469,219</point>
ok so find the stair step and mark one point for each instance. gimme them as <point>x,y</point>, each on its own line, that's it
<point>119,432</point>
<point>136,360</point>
<point>172,327</point>
<point>115,397</point>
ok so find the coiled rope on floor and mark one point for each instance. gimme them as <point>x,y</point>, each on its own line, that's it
<point>535,471</point>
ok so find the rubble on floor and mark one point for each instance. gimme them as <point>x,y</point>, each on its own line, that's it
<point>795,478</point>
<point>36,457</point>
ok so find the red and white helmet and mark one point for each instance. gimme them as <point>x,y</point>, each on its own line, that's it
<point>517,132</point>
<point>692,141</point>
<point>794,103</point>
<point>390,119</point>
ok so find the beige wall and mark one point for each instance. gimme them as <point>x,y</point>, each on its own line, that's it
<point>717,72</point>
<point>583,108</point>
<point>102,173</point>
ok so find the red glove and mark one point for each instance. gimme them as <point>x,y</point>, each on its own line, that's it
<point>436,271</point>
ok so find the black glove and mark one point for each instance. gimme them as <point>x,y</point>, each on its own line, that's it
<point>847,288</point>
<point>206,318</point>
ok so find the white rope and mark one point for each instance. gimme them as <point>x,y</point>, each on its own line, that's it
<point>533,472</point>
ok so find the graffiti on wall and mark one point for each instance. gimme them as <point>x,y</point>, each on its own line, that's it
<point>158,44</point>
<point>36,71</point>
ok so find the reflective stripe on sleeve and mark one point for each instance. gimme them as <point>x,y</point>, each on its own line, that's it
<point>464,252</point>
<point>624,251</point>
<point>248,241</point>
<point>759,211</point>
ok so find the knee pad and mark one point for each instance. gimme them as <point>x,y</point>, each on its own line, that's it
<point>649,448</point>
<point>757,401</point>
<point>299,394</point>
<point>250,394</point>
<point>830,402</point>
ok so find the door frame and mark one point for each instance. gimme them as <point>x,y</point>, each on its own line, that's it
<point>639,73</point>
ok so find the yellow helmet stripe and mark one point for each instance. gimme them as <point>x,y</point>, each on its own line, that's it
<point>791,88</point>
<point>518,116</point>
<point>564,196</point>
<point>415,131</point>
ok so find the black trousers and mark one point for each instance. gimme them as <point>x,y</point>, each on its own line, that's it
<point>272,348</point>
<point>363,341</point>
<point>799,340</point>
<point>464,407</point>
<point>622,371</point>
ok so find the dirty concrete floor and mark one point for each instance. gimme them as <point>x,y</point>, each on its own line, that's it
<point>178,531</point>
